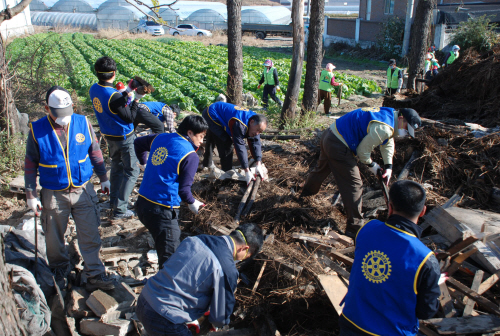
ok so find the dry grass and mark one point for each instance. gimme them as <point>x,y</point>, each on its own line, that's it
<point>118,34</point>
<point>249,2</point>
<point>219,37</point>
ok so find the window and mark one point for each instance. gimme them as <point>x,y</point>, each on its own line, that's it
<point>389,7</point>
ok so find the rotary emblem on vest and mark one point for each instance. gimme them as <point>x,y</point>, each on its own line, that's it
<point>376,267</point>
<point>80,137</point>
<point>159,156</point>
<point>97,104</point>
<point>371,109</point>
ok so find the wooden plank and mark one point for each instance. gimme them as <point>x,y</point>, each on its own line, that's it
<point>314,238</point>
<point>486,304</point>
<point>427,331</point>
<point>459,260</point>
<point>488,283</point>
<point>335,289</point>
<point>469,304</point>
<point>435,239</point>
<point>259,277</point>
<point>465,325</point>
<point>113,249</point>
<point>445,302</point>
<point>347,250</point>
<point>347,241</point>
<point>340,257</point>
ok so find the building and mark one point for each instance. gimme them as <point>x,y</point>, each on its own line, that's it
<point>19,24</point>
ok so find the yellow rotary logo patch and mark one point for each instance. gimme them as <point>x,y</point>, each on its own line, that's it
<point>97,104</point>
<point>80,137</point>
<point>376,267</point>
<point>159,156</point>
<point>371,109</point>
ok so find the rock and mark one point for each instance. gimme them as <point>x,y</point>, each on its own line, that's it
<point>249,100</point>
<point>23,123</point>
<point>101,303</point>
<point>77,306</point>
<point>92,326</point>
<point>221,98</point>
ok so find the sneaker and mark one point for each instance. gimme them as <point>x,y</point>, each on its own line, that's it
<point>100,281</point>
<point>61,276</point>
<point>127,214</point>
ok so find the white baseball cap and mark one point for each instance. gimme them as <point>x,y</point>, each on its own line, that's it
<point>59,102</point>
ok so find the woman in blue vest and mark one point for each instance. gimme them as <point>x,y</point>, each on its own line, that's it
<point>394,278</point>
<point>271,83</point>
<point>168,176</point>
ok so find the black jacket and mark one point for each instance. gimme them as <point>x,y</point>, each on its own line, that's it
<point>118,105</point>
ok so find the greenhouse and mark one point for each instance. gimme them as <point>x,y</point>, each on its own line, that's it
<point>182,10</point>
<point>118,14</point>
<point>41,5</point>
<point>57,19</point>
<point>74,6</point>
<point>266,15</point>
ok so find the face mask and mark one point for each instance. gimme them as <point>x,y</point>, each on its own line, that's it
<point>63,121</point>
<point>402,133</point>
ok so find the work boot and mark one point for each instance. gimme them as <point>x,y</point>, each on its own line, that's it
<point>61,276</point>
<point>127,214</point>
<point>351,229</point>
<point>100,281</point>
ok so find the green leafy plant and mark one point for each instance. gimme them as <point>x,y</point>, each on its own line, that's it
<point>390,37</point>
<point>13,151</point>
<point>476,33</point>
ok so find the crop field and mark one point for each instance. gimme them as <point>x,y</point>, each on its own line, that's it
<point>185,73</point>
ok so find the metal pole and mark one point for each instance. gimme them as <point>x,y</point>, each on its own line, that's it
<point>406,38</point>
<point>36,247</point>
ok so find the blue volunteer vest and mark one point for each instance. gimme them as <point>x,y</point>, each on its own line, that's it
<point>382,295</point>
<point>221,113</point>
<point>353,126</point>
<point>58,171</point>
<point>160,183</point>
<point>156,108</point>
<point>110,123</point>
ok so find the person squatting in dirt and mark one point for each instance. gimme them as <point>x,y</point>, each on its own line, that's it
<point>357,133</point>
<point>197,281</point>
<point>229,125</point>
<point>394,80</point>
<point>271,84</point>
<point>161,112</point>
<point>168,176</point>
<point>63,148</point>
<point>394,278</point>
<point>451,56</point>
<point>326,84</point>
<point>431,67</point>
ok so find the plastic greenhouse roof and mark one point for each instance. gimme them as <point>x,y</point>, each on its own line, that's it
<point>64,19</point>
<point>46,3</point>
<point>183,9</point>
<point>266,14</point>
<point>79,6</point>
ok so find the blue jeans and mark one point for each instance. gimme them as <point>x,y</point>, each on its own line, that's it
<point>155,324</point>
<point>124,172</point>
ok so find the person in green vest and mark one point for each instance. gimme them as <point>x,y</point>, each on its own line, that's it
<point>271,84</point>
<point>431,67</point>
<point>451,56</point>
<point>326,84</point>
<point>394,78</point>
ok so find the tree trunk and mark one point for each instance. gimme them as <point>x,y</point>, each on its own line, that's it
<point>314,56</point>
<point>419,36</point>
<point>234,53</point>
<point>9,121</point>
<point>10,323</point>
<point>292,92</point>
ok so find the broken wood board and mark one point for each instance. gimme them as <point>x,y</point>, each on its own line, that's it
<point>488,283</point>
<point>486,304</point>
<point>465,325</point>
<point>347,241</point>
<point>316,238</point>
<point>477,220</point>
<point>469,304</point>
<point>340,257</point>
<point>335,288</point>
<point>446,302</point>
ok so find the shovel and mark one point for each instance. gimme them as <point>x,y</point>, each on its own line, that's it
<point>385,190</point>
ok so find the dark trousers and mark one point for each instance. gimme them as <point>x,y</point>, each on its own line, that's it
<point>150,120</point>
<point>155,324</point>
<point>163,226</point>
<point>216,136</point>
<point>337,158</point>
<point>327,96</point>
<point>270,90</point>
<point>392,91</point>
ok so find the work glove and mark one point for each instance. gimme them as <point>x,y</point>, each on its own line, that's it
<point>142,167</point>
<point>374,169</point>
<point>138,96</point>
<point>105,187</point>
<point>278,88</point>
<point>387,176</point>
<point>194,325</point>
<point>34,204</point>
<point>195,206</point>
<point>212,328</point>
<point>258,87</point>
<point>260,169</point>
<point>249,177</point>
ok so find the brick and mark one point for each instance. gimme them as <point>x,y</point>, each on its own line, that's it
<point>92,326</point>
<point>77,306</point>
<point>101,303</point>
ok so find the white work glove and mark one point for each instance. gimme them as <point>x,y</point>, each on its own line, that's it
<point>249,177</point>
<point>213,328</point>
<point>195,206</point>
<point>260,169</point>
<point>194,325</point>
<point>375,168</point>
<point>387,176</point>
<point>34,204</point>
<point>138,96</point>
<point>106,187</point>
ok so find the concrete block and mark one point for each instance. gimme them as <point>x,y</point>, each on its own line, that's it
<point>77,306</point>
<point>110,316</point>
<point>92,326</point>
<point>101,303</point>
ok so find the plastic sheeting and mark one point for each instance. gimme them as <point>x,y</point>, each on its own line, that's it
<point>57,19</point>
<point>266,15</point>
<point>181,10</point>
<point>118,14</point>
<point>72,6</point>
<point>41,5</point>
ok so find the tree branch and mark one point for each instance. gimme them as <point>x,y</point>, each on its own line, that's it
<point>158,18</point>
<point>9,13</point>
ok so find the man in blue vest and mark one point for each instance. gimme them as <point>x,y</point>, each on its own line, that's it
<point>199,279</point>
<point>271,83</point>
<point>230,124</point>
<point>394,80</point>
<point>116,121</point>
<point>394,278</point>
<point>356,134</point>
<point>171,165</point>
<point>63,148</point>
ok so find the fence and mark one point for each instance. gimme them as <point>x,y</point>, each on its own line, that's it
<point>351,31</point>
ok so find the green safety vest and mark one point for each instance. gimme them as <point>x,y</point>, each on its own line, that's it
<point>268,76</point>
<point>428,64</point>
<point>452,58</point>
<point>325,81</point>
<point>392,82</point>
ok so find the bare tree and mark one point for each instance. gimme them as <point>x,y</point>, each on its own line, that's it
<point>234,53</point>
<point>420,32</point>
<point>314,56</point>
<point>292,92</point>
